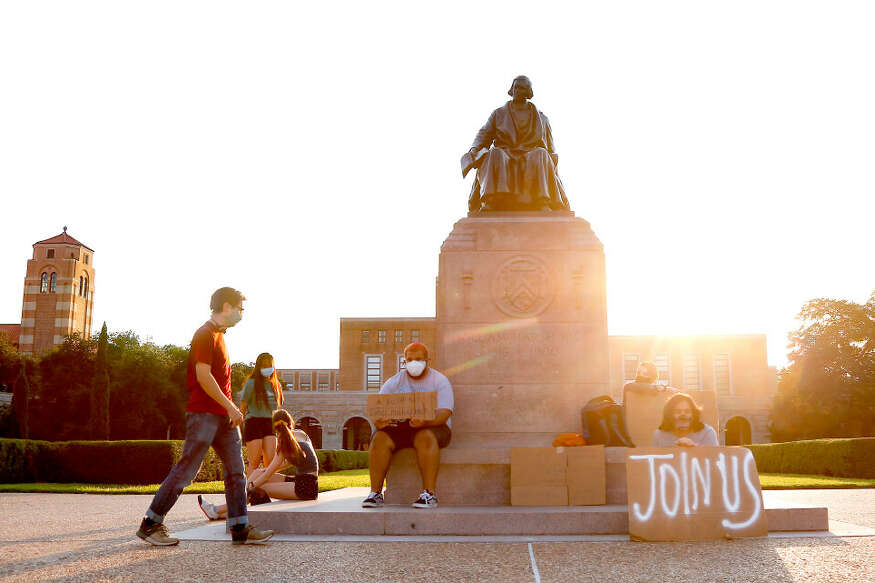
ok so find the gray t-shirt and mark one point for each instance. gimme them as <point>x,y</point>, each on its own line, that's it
<point>310,465</point>
<point>705,436</point>
<point>430,380</point>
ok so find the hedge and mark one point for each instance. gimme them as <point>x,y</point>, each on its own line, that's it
<point>123,462</point>
<point>847,458</point>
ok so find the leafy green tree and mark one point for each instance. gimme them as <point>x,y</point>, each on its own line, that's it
<point>239,373</point>
<point>9,362</point>
<point>61,404</point>
<point>147,401</point>
<point>828,389</point>
<point>100,391</point>
<point>21,397</point>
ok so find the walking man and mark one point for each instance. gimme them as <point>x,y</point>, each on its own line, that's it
<point>211,419</point>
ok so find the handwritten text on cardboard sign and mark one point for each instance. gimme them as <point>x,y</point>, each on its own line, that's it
<point>696,493</point>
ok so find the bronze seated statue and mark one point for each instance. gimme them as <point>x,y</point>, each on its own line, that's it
<point>515,160</point>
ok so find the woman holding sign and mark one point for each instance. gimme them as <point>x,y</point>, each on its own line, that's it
<point>682,424</point>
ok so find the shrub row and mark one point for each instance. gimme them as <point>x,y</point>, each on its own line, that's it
<point>847,458</point>
<point>123,462</point>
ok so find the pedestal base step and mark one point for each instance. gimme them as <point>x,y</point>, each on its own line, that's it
<point>340,513</point>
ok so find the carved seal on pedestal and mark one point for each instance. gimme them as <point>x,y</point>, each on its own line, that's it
<point>522,287</point>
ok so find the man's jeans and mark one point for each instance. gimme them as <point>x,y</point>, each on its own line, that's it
<point>201,431</point>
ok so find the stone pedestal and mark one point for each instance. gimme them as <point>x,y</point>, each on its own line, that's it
<point>522,335</point>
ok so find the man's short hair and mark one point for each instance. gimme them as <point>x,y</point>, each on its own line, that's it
<point>413,345</point>
<point>668,417</point>
<point>225,294</point>
<point>650,369</point>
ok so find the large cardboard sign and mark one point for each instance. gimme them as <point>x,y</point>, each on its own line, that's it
<point>402,406</point>
<point>644,412</point>
<point>537,476</point>
<point>693,493</point>
<point>585,475</point>
<point>557,476</point>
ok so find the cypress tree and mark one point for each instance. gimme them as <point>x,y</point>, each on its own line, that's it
<point>100,390</point>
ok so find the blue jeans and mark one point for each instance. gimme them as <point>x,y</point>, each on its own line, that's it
<point>201,431</point>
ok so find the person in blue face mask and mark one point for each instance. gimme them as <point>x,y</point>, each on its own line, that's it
<point>262,394</point>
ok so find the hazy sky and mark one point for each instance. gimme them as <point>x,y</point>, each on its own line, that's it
<point>308,154</point>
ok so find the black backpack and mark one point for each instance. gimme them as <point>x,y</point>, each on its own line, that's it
<point>604,423</point>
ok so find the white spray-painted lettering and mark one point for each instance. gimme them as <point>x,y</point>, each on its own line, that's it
<point>686,482</point>
<point>754,491</point>
<point>704,481</point>
<point>664,470</point>
<point>721,466</point>
<point>636,508</point>
<point>693,479</point>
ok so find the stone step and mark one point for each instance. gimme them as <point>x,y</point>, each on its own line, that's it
<point>472,476</point>
<point>340,513</point>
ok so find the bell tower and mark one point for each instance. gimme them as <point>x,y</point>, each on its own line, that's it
<point>58,293</point>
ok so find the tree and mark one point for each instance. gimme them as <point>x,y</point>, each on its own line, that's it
<point>60,407</point>
<point>828,389</point>
<point>100,422</point>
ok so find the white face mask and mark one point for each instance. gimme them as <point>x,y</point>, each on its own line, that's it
<point>415,367</point>
<point>266,372</point>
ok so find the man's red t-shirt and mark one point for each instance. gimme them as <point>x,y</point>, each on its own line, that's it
<point>208,346</point>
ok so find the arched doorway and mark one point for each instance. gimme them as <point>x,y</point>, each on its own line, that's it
<point>737,431</point>
<point>312,427</point>
<point>356,434</point>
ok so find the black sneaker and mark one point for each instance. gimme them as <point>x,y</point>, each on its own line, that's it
<point>374,500</point>
<point>426,500</point>
<point>250,535</point>
<point>156,534</point>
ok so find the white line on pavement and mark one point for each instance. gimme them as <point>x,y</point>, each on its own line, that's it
<point>534,564</point>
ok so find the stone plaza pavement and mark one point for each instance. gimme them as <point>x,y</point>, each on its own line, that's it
<point>70,537</point>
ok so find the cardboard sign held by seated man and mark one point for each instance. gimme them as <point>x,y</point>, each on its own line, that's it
<point>402,406</point>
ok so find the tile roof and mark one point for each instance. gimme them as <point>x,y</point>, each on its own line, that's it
<point>63,239</point>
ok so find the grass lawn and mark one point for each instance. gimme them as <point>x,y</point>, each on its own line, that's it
<point>327,481</point>
<point>346,478</point>
<point>804,481</point>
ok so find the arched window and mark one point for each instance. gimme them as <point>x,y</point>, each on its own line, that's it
<point>44,283</point>
<point>53,283</point>
<point>80,285</point>
<point>85,292</point>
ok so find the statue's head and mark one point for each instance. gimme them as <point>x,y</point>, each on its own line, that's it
<point>522,84</point>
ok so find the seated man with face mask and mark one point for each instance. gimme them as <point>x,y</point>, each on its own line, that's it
<point>426,436</point>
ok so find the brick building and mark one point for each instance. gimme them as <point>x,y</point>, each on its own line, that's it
<point>58,293</point>
<point>372,350</point>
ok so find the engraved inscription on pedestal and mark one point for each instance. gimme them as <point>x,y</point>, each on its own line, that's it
<point>522,287</point>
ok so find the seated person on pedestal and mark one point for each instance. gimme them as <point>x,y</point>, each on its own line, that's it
<point>682,424</point>
<point>515,159</point>
<point>645,381</point>
<point>426,436</point>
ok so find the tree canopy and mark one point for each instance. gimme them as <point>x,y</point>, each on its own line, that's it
<point>828,389</point>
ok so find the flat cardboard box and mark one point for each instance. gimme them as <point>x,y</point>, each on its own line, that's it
<point>537,466</point>
<point>585,475</point>
<point>644,413</point>
<point>539,496</point>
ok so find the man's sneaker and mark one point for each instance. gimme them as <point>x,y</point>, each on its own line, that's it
<point>156,534</point>
<point>426,500</point>
<point>250,535</point>
<point>374,500</point>
<point>208,509</point>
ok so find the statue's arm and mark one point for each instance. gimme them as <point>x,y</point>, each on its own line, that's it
<point>548,138</point>
<point>485,136</point>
